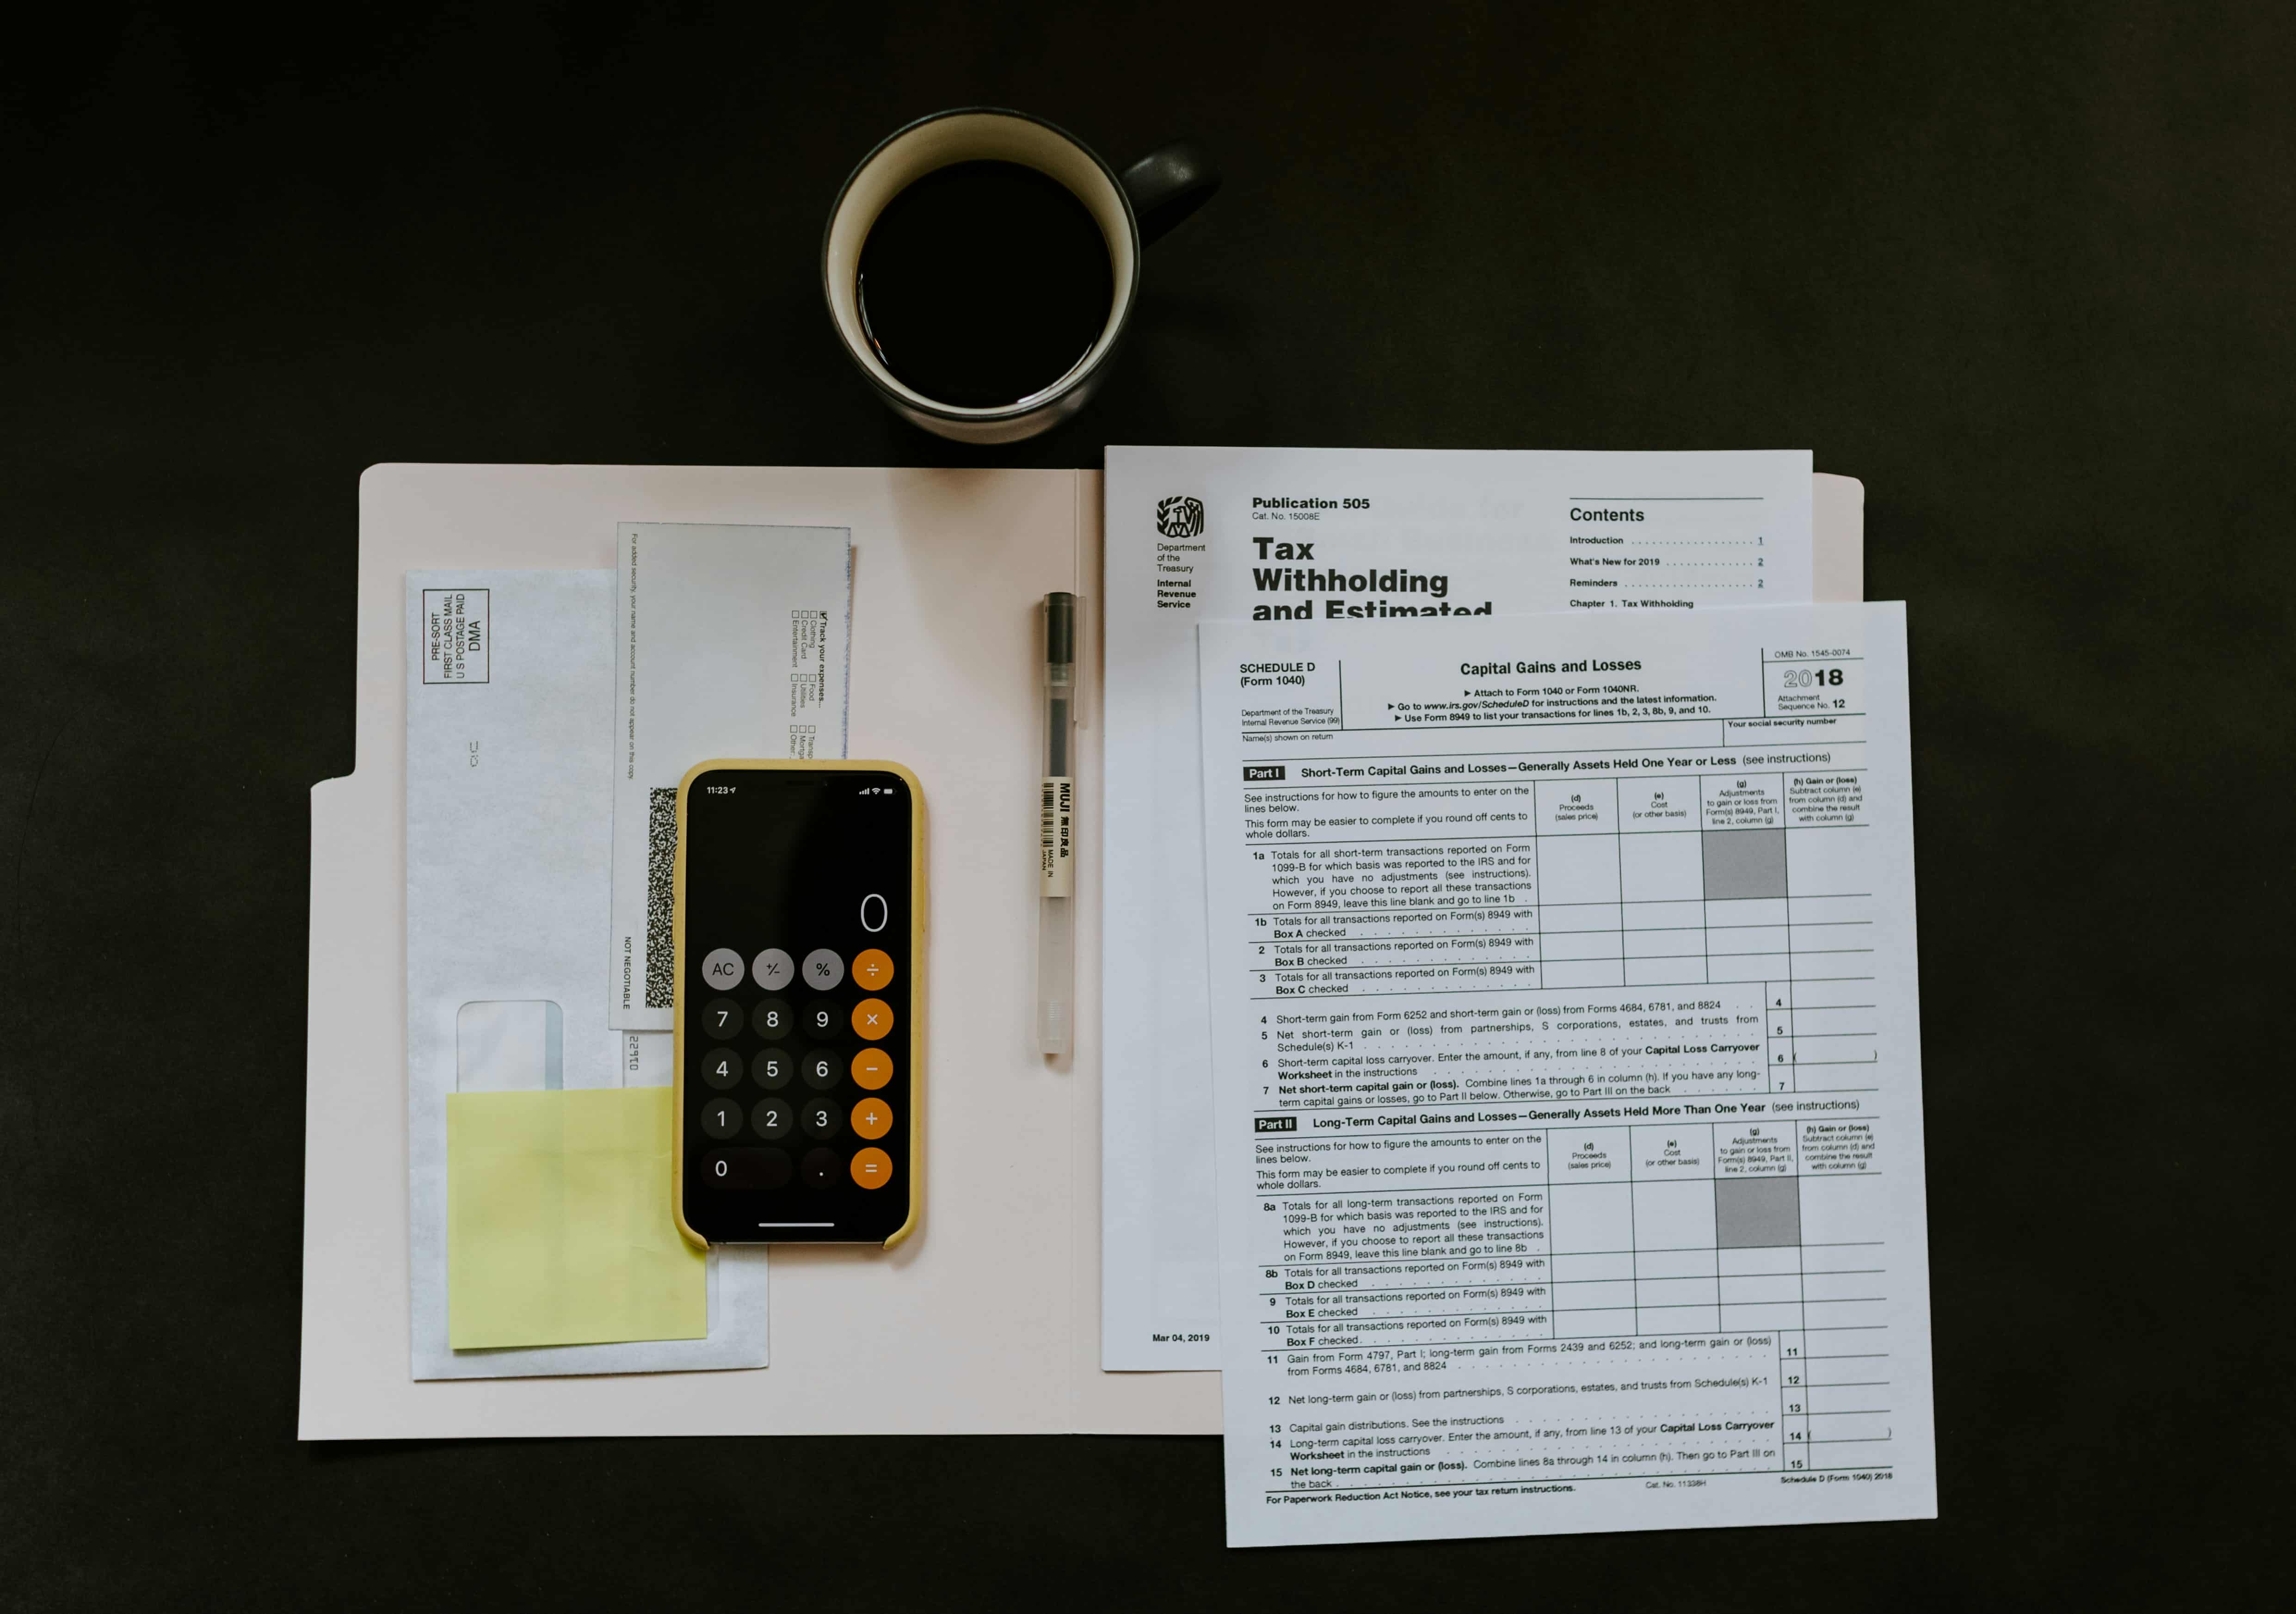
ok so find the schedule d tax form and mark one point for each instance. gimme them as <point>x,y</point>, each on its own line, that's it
<point>1567,1075</point>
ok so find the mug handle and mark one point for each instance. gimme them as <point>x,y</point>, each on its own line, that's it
<point>1167,185</point>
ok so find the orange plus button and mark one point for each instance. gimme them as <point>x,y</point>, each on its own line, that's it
<point>872,1017</point>
<point>873,1117</point>
<point>873,1067</point>
<point>872,1168</point>
<point>872,970</point>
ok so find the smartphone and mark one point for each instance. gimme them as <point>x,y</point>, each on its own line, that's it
<point>798,924</point>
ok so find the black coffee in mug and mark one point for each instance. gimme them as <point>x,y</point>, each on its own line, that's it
<point>984,283</point>
<point>981,264</point>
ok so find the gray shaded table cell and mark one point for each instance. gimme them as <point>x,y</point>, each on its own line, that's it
<point>1757,1213</point>
<point>1744,862</point>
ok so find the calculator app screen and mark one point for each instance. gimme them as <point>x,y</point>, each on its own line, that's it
<point>795,997</point>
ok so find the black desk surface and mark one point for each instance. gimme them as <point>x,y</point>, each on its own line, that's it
<point>2026,270</point>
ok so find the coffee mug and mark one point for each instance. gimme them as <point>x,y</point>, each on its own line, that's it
<point>1007,157</point>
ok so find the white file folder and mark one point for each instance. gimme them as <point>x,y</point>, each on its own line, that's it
<point>986,1322</point>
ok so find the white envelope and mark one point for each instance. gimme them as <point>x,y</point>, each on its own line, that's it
<point>509,816</point>
<point>729,641</point>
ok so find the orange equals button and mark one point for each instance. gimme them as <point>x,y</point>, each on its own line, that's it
<point>872,1168</point>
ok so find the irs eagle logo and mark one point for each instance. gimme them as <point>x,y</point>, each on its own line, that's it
<point>1180,517</point>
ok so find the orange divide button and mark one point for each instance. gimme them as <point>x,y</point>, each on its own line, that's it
<point>872,1017</point>
<point>872,1168</point>
<point>873,1067</point>
<point>872,970</point>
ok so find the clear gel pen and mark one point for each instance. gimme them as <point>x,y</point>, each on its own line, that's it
<point>1056,835</point>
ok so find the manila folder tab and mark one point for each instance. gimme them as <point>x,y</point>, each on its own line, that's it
<point>558,1224</point>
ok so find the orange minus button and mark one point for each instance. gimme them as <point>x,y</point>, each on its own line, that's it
<point>873,1067</point>
<point>872,968</point>
<point>872,1017</point>
<point>872,1168</point>
<point>873,1117</point>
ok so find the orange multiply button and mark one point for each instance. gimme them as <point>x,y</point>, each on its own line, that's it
<point>872,1017</point>
<point>873,1067</point>
<point>872,1168</point>
<point>872,968</point>
<point>873,1117</point>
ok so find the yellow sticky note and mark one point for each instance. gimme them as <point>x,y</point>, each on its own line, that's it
<point>558,1221</point>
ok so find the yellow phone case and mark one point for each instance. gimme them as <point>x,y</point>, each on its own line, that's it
<point>915,970</point>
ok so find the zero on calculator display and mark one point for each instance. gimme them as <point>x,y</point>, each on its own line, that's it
<point>795,981</point>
